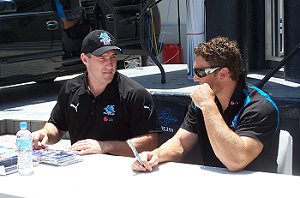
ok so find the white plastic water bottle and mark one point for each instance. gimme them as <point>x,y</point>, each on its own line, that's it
<point>24,146</point>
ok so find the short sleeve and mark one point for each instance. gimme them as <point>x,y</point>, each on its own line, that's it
<point>57,116</point>
<point>142,113</point>
<point>190,121</point>
<point>257,121</point>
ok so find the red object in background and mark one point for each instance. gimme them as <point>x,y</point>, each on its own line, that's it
<point>171,54</point>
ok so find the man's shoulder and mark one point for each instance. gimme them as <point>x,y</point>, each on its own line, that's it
<point>128,85</point>
<point>255,92</point>
<point>132,90</point>
<point>260,99</point>
<point>74,83</point>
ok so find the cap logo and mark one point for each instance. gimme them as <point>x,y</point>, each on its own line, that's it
<point>105,39</point>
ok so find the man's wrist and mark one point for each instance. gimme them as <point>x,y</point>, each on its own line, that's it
<point>104,146</point>
<point>44,131</point>
<point>207,104</point>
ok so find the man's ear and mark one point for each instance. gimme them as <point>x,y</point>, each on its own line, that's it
<point>224,72</point>
<point>83,58</point>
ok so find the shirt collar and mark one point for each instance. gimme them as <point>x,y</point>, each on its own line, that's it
<point>237,99</point>
<point>236,102</point>
<point>84,86</point>
<point>109,91</point>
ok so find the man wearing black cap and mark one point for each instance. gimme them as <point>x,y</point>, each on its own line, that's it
<point>101,108</point>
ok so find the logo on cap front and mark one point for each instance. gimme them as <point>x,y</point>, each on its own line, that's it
<point>105,39</point>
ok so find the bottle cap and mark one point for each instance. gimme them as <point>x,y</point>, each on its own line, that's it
<point>23,125</point>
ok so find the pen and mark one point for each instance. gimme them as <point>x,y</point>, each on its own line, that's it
<point>136,154</point>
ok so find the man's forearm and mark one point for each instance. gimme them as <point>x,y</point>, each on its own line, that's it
<point>143,143</point>
<point>170,151</point>
<point>52,132</point>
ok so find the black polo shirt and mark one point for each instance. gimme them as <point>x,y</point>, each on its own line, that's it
<point>124,110</point>
<point>252,113</point>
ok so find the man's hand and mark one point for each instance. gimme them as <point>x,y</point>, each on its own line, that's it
<point>88,146</point>
<point>39,139</point>
<point>149,161</point>
<point>203,95</point>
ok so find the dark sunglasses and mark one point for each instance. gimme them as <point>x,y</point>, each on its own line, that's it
<point>202,72</point>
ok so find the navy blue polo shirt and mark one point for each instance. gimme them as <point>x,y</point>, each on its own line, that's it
<point>251,112</point>
<point>124,110</point>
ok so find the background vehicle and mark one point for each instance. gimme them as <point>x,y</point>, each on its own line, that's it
<point>34,46</point>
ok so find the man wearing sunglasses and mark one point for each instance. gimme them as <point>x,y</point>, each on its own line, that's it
<point>236,124</point>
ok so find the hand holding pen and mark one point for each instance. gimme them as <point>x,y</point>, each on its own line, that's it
<point>144,162</point>
<point>135,152</point>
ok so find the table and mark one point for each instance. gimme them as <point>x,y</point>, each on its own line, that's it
<point>101,175</point>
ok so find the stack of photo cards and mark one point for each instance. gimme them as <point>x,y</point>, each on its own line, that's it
<point>56,157</point>
<point>8,160</point>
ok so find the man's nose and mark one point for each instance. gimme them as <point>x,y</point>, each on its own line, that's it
<point>196,78</point>
<point>110,61</point>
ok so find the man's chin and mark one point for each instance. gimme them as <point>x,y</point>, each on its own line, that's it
<point>109,78</point>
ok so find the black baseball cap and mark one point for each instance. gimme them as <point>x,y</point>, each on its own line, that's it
<point>98,42</point>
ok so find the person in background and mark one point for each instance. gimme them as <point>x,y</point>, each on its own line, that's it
<point>75,28</point>
<point>236,124</point>
<point>101,109</point>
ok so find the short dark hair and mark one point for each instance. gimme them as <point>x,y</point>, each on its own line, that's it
<point>222,52</point>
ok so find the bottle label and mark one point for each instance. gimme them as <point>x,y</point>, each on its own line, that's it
<point>24,143</point>
<point>25,165</point>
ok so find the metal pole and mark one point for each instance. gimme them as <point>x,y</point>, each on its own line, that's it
<point>144,46</point>
<point>179,29</point>
<point>278,66</point>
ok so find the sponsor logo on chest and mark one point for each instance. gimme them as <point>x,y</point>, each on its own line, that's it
<point>109,113</point>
